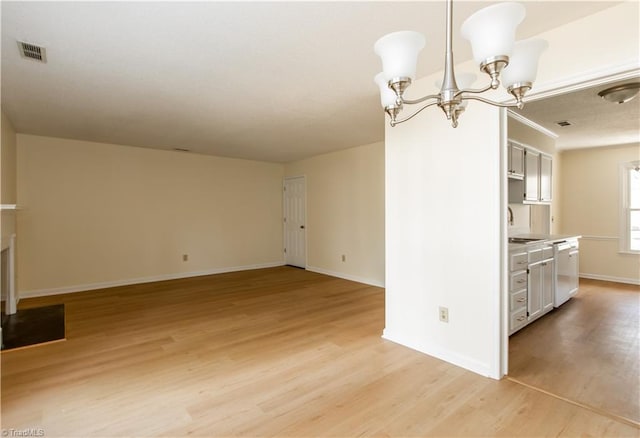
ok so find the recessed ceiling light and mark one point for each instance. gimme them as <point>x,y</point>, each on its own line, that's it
<point>621,93</point>
<point>563,123</point>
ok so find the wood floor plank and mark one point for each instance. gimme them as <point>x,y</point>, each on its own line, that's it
<point>265,353</point>
<point>588,350</point>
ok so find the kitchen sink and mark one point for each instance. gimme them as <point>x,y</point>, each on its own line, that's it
<point>524,240</point>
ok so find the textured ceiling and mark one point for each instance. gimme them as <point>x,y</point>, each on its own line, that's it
<point>594,121</point>
<point>274,81</point>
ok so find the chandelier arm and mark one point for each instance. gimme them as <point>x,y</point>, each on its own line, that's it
<point>395,122</point>
<point>490,102</point>
<point>420,100</point>
<point>473,90</point>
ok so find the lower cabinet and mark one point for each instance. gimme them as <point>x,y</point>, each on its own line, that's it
<point>517,290</point>
<point>531,284</point>
<point>540,289</point>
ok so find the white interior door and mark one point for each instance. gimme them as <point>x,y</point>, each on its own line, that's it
<point>295,233</point>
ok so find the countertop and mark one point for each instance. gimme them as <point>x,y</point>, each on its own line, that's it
<point>545,238</point>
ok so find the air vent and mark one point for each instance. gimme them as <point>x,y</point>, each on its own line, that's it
<point>563,123</point>
<point>31,51</point>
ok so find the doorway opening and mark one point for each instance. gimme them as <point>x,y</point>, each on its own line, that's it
<point>584,351</point>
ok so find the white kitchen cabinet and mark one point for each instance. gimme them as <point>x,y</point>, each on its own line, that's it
<point>515,161</point>
<point>540,280</point>
<point>531,175</point>
<point>545,178</point>
<point>531,283</point>
<point>534,292</point>
<point>517,289</point>
<point>535,187</point>
<point>548,284</point>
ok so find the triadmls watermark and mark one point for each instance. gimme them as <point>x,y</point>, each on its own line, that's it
<point>31,431</point>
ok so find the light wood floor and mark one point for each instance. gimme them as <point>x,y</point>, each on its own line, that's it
<point>588,350</point>
<point>273,352</point>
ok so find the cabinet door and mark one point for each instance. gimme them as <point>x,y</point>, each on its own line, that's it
<point>547,285</point>
<point>516,160</point>
<point>531,175</point>
<point>534,294</point>
<point>545,178</point>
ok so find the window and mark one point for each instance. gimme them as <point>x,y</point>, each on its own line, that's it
<point>630,202</point>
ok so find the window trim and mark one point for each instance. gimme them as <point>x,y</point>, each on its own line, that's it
<point>625,208</point>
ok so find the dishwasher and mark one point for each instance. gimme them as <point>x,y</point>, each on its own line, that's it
<point>567,255</point>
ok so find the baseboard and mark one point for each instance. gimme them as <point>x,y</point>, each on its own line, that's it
<point>129,282</point>
<point>443,354</point>
<point>369,281</point>
<point>610,278</point>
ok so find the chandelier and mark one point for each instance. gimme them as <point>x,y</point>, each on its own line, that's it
<point>491,32</point>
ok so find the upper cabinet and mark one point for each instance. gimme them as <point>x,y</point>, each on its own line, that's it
<point>545,177</point>
<point>515,166</point>
<point>531,175</point>
<point>534,186</point>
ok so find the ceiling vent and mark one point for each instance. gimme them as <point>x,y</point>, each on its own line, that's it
<point>31,51</point>
<point>563,123</point>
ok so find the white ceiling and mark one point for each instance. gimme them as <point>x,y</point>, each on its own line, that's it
<point>273,81</point>
<point>594,121</point>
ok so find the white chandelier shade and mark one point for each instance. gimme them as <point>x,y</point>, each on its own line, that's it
<point>387,95</point>
<point>523,62</point>
<point>399,53</point>
<point>492,30</point>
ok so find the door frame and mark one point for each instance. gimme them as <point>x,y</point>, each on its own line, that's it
<point>306,219</point>
<point>619,73</point>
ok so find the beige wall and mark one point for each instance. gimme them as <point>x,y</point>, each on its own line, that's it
<point>100,214</point>
<point>7,178</point>
<point>345,212</point>
<point>591,195</point>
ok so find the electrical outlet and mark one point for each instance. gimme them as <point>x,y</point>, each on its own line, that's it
<point>344,257</point>
<point>444,314</point>
<point>185,257</point>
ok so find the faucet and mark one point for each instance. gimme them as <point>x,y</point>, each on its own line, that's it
<point>510,215</point>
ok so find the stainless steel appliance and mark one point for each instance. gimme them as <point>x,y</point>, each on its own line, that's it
<point>566,255</point>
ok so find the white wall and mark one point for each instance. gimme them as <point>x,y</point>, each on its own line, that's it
<point>445,231</point>
<point>590,48</point>
<point>345,212</point>
<point>443,225</point>
<point>96,215</point>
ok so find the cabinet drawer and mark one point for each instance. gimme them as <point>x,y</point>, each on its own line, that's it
<point>517,320</point>
<point>518,300</point>
<point>518,281</point>
<point>535,255</point>
<point>518,261</point>
<point>547,253</point>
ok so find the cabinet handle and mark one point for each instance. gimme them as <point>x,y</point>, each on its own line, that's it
<point>521,318</point>
<point>521,300</point>
<point>521,263</point>
<point>520,281</point>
